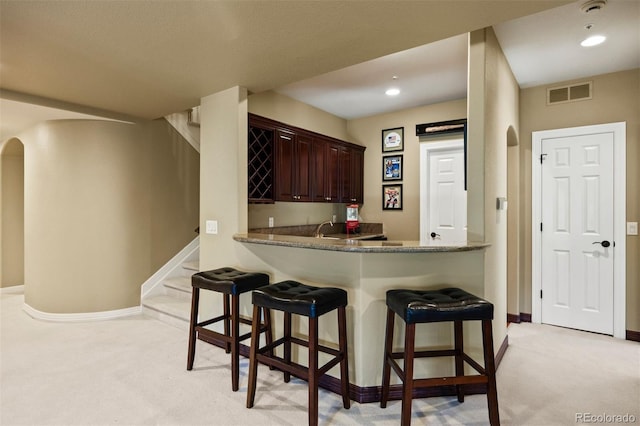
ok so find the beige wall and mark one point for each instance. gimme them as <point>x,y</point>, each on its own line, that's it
<point>287,110</point>
<point>501,120</point>
<point>174,189</point>
<point>616,97</point>
<point>404,224</point>
<point>96,219</point>
<point>12,213</point>
<point>223,174</point>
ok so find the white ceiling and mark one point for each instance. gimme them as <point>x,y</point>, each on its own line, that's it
<point>148,59</point>
<point>542,48</point>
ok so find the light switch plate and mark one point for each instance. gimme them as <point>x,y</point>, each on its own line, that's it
<point>212,227</point>
<point>632,228</point>
<point>270,222</point>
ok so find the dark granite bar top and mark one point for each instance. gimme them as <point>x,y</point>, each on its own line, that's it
<point>357,245</point>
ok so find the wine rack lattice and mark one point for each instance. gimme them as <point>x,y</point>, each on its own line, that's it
<point>260,164</point>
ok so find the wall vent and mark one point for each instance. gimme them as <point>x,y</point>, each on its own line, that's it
<point>571,93</point>
<point>193,117</point>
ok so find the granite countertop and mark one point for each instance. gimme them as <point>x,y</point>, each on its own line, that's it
<point>357,245</point>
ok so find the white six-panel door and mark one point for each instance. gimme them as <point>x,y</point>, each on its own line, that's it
<point>444,199</point>
<point>577,232</point>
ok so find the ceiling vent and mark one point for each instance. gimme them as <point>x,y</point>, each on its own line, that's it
<point>571,93</point>
<point>593,6</point>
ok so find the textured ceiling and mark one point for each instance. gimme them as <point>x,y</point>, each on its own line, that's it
<point>151,58</point>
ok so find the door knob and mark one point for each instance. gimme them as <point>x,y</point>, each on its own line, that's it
<point>434,235</point>
<point>604,243</point>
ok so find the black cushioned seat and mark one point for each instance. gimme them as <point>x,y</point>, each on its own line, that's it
<point>231,283</point>
<point>292,297</point>
<point>428,306</point>
<point>229,280</point>
<point>449,304</point>
<point>300,299</point>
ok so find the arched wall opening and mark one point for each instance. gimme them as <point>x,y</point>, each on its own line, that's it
<point>12,209</point>
<point>513,225</point>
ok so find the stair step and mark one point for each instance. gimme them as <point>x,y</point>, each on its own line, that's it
<point>179,287</point>
<point>191,267</point>
<point>168,309</point>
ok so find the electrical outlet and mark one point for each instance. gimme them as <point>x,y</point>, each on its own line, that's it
<point>632,228</point>
<point>212,227</point>
<point>333,218</point>
<point>270,222</point>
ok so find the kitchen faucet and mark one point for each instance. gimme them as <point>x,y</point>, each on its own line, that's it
<point>318,234</point>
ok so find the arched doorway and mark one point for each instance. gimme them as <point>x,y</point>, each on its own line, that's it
<point>513,226</point>
<point>12,205</point>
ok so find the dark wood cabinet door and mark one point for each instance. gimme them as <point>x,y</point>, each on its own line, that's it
<point>356,186</point>
<point>344,159</point>
<point>318,171</point>
<point>303,168</point>
<point>332,173</point>
<point>285,166</point>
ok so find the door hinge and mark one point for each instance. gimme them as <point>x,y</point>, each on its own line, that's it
<point>542,156</point>
<point>540,294</point>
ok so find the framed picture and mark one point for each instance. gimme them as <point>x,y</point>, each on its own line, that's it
<point>392,167</point>
<point>393,139</point>
<point>392,197</point>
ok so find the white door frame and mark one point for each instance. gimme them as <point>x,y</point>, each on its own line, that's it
<point>619,217</point>
<point>426,149</point>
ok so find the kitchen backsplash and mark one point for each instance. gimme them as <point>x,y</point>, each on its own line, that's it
<point>309,230</point>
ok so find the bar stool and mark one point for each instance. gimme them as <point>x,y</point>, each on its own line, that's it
<point>450,304</point>
<point>231,283</point>
<point>292,297</point>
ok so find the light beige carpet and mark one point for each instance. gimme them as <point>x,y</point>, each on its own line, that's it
<point>132,371</point>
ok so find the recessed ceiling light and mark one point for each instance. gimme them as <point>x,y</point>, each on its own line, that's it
<point>593,41</point>
<point>392,92</point>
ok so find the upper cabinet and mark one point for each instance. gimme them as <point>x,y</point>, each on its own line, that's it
<point>306,166</point>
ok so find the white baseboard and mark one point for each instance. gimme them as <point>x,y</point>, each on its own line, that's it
<point>85,316</point>
<point>14,289</point>
<point>164,272</point>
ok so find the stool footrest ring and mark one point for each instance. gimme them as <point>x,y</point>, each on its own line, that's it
<point>294,368</point>
<point>446,381</point>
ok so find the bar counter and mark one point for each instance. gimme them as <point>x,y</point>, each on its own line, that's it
<point>357,244</point>
<point>366,270</point>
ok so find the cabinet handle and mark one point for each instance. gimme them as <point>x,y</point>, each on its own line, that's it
<point>285,137</point>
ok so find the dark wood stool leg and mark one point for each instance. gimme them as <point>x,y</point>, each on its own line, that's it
<point>344,363</point>
<point>268,334</point>
<point>490,368</point>
<point>287,343</point>
<point>195,298</point>
<point>386,368</point>
<point>227,319</point>
<point>235,342</point>
<point>459,347</point>
<point>407,384</point>
<point>253,351</point>
<point>313,371</point>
